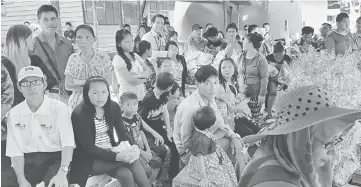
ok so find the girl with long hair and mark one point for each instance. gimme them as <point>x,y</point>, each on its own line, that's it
<point>180,65</point>
<point>84,64</point>
<point>130,70</point>
<point>18,47</point>
<point>96,122</point>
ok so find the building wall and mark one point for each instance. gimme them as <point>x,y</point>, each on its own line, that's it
<point>314,13</point>
<point>71,11</point>
<point>17,12</point>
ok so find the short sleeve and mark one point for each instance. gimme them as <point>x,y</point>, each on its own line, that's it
<point>118,62</point>
<point>105,64</point>
<point>13,148</point>
<point>72,66</point>
<point>201,144</point>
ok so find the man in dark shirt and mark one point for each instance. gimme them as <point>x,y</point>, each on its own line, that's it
<point>154,112</point>
<point>69,33</point>
<point>307,41</point>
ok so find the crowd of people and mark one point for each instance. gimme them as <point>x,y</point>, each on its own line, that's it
<point>192,111</point>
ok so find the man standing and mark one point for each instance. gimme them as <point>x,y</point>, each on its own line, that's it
<point>69,33</point>
<point>40,139</point>
<point>339,41</point>
<point>156,38</point>
<point>324,31</point>
<point>53,49</point>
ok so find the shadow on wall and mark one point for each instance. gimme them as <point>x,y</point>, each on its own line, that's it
<point>189,13</point>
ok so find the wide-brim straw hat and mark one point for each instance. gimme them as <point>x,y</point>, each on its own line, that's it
<point>304,107</point>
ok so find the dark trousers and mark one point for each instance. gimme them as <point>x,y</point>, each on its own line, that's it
<point>126,174</point>
<point>41,166</point>
<point>161,151</point>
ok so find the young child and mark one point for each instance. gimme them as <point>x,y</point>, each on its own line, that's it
<point>208,163</point>
<point>134,125</point>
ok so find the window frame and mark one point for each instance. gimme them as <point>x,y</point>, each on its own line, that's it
<point>104,17</point>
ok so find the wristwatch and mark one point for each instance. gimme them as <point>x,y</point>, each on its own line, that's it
<point>66,169</point>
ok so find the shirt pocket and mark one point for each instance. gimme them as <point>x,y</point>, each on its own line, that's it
<point>49,130</point>
<point>22,132</point>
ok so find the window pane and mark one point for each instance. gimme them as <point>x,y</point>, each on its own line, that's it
<point>88,12</point>
<point>109,12</point>
<point>100,12</point>
<point>116,9</point>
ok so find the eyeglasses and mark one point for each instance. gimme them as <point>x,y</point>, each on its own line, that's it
<point>334,142</point>
<point>28,83</point>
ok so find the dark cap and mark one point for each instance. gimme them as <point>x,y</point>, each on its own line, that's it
<point>196,26</point>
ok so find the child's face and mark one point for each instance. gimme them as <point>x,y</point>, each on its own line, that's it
<point>222,107</point>
<point>130,107</point>
<point>167,66</point>
<point>174,96</point>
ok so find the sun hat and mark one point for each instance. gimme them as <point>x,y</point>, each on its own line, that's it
<point>304,107</point>
<point>196,26</point>
<point>30,71</point>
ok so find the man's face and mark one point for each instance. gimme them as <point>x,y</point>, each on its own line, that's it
<point>32,88</point>
<point>324,30</point>
<point>158,25</point>
<point>67,27</point>
<point>344,24</point>
<point>48,22</point>
<point>307,37</point>
<point>197,33</point>
<point>209,88</point>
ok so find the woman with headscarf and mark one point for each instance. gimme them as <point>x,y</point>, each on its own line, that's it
<point>296,149</point>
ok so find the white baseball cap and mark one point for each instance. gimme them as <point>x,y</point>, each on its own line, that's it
<point>30,71</point>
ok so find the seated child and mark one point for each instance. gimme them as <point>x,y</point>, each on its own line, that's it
<point>134,125</point>
<point>173,101</point>
<point>208,163</point>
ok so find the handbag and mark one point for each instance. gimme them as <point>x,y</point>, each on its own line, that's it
<point>57,76</point>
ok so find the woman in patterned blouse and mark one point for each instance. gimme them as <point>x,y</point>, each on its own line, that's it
<point>84,64</point>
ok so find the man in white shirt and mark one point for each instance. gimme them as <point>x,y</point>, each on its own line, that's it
<point>40,139</point>
<point>156,37</point>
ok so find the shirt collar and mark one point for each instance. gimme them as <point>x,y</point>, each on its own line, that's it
<point>200,100</point>
<point>44,108</point>
<point>154,33</point>
<point>57,37</point>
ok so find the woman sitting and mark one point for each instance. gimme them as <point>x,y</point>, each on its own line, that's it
<point>296,150</point>
<point>96,123</point>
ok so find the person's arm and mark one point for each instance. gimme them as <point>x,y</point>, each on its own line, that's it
<point>18,163</point>
<point>263,68</point>
<point>66,135</point>
<point>145,141</point>
<point>149,129</point>
<point>121,68</point>
<point>201,166</point>
<point>185,121</point>
<point>330,44</point>
<point>166,117</point>
<point>7,92</point>
<point>71,83</point>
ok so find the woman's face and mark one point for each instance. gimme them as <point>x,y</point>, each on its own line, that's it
<point>98,93</point>
<point>167,66</point>
<point>84,39</point>
<point>174,50</point>
<point>127,43</point>
<point>173,96</point>
<point>227,69</point>
<point>324,151</point>
<point>174,38</point>
<point>141,32</point>
<point>231,33</point>
<point>30,42</point>
<point>247,45</point>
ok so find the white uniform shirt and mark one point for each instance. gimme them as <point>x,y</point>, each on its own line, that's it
<point>157,43</point>
<point>49,129</point>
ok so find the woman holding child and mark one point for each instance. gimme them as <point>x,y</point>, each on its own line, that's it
<point>96,121</point>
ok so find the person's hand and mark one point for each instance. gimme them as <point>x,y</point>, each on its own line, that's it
<point>238,146</point>
<point>147,155</point>
<point>126,156</point>
<point>59,180</point>
<point>24,183</point>
<point>280,87</point>
<point>204,183</point>
<point>261,99</point>
<point>170,134</point>
<point>158,139</point>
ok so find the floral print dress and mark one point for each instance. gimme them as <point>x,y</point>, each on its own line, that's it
<point>100,65</point>
<point>219,168</point>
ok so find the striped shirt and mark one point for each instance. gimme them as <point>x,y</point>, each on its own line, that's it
<point>102,138</point>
